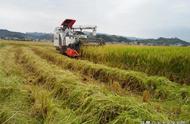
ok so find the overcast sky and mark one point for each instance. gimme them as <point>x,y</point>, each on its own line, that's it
<point>136,18</point>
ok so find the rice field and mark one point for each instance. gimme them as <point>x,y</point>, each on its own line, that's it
<point>39,85</point>
<point>171,62</point>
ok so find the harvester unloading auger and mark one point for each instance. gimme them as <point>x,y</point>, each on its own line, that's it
<point>68,39</point>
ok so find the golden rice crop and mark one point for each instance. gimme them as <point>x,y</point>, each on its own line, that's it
<point>38,85</point>
<point>171,62</point>
<point>158,87</point>
<point>95,103</point>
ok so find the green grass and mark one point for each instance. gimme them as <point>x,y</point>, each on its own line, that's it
<point>171,62</point>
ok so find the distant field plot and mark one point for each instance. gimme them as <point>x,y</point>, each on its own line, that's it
<point>39,85</point>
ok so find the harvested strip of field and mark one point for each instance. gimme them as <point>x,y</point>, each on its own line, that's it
<point>160,88</point>
<point>49,110</point>
<point>14,101</point>
<point>94,104</point>
<point>171,62</point>
<point>25,103</point>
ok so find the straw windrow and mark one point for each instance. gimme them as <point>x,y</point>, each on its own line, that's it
<point>90,101</point>
<point>159,87</point>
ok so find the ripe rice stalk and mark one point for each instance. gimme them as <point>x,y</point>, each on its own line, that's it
<point>159,87</point>
<point>94,104</point>
<point>171,62</point>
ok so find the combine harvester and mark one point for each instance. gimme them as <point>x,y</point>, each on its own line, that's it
<point>68,39</point>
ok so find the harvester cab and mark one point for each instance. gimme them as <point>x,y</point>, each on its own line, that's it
<point>68,39</point>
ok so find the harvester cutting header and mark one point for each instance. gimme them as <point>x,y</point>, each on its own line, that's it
<point>68,38</point>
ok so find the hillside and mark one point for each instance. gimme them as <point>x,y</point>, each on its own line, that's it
<point>10,35</point>
<point>164,41</point>
<point>6,34</point>
<point>138,41</point>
